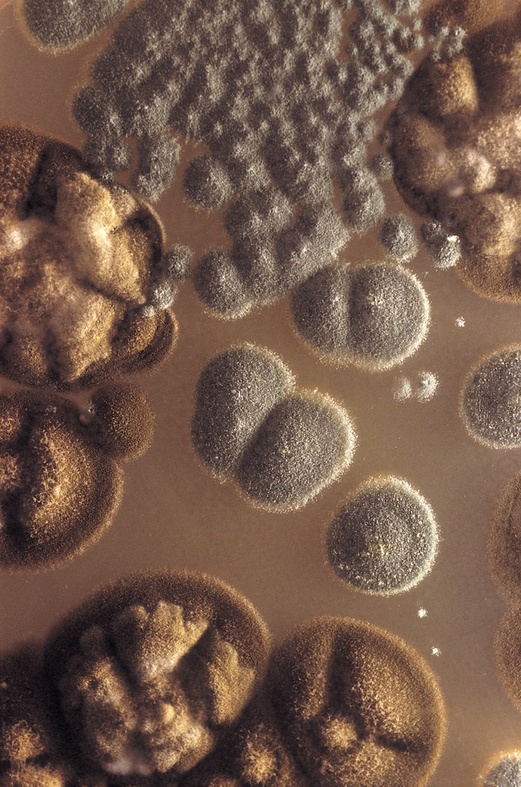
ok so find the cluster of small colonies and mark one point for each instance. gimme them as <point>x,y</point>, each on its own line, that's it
<point>280,445</point>
<point>384,539</point>
<point>504,771</point>
<point>490,401</point>
<point>373,315</point>
<point>161,679</point>
<point>423,388</point>
<point>455,145</point>
<point>60,475</point>
<point>282,95</point>
<point>83,296</point>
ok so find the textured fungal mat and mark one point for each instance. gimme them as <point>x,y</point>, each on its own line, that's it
<point>81,284</point>
<point>357,706</point>
<point>505,540</point>
<point>60,477</point>
<point>490,402</point>
<point>151,671</point>
<point>279,93</point>
<point>455,144</point>
<point>281,445</point>
<point>504,771</point>
<point>384,538</point>
<point>508,653</point>
<point>373,315</point>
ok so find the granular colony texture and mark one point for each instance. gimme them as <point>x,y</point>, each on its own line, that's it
<point>60,478</point>
<point>384,539</point>
<point>250,423</point>
<point>505,540</point>
<point>81,273</point>
<point>372,315</point>
<point>490,401</point>
<point>161,679</point>
<point>280,93</point>
<point>504,772</point>
<point>455,145</point>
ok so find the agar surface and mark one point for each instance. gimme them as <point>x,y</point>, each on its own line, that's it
<point>281,445</point>
<point>384,539</point>
<point>455,145</point>
<point>160,679</point>
<point>373,315</point>
<point>81,270</point>
<point>60,478</point>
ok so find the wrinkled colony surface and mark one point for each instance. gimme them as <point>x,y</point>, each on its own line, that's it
<point>455,144</point>
<point>357,706</point>
<point>504,772</point>
<point>60,479</point>
<point>281,445</point>
<point>81,278</point>
<point>490,400</point>
<point>384,539</point>
<point>373,315</point>
<point>280,102</point>
<point>149,672</point>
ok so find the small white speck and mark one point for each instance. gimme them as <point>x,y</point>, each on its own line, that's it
<point>460,322</point>
<point>435,651</point>
<point>422,613</point>
<point>3,685</point>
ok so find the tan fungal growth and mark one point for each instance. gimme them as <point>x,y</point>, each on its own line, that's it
<point>80,270</point>
<point>282,446</point>
<point>456,142</point>
<point>357,706</point>
<point>508,653</point>
<point>151,671</point>
<point>472,15</point>
<point>27,724</point>
<point>505,540</point>
<point>60,480</point>
<point>490,403</point>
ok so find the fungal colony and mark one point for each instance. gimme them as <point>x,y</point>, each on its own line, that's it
<point>303,111</point>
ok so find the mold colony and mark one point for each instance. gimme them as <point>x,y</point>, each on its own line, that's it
<point>156,671</point>
<point>160,679</point>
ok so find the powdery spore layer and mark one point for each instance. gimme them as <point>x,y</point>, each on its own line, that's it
<point>384,539</point>
<point>80,269</point>
<point>282,446</point>
<point>505,771</point>
<point>373,315</point>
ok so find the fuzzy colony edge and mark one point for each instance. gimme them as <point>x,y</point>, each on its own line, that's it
<point>99,251</point>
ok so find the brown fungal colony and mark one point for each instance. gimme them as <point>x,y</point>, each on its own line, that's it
<point>250,423</point>
<point>161,679</point>
<point>455,145</point>
<point>83,296</point>
<point>282,95</point>
<point>60,474</point>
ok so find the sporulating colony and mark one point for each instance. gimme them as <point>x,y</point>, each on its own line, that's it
<point>505,771</point>
<point>281,445</point>
<point>384,539</point>
<point>160,679</point>
<point>284,116</point>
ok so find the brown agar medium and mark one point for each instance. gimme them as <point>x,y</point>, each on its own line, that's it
<point>357,706</point>
<point>373,316</point>
<point>61,480</point>
<point>281,445</point>
<point>490,403</point>
<point>384,539</point>
<point>455,145</point>
<point>151,671</point>
<point>83,296</point>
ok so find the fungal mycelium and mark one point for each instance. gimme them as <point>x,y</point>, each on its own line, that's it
<point>280,444</point>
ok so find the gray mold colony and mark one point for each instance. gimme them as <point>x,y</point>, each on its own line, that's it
<point>281,446</point>
<point>506,772</point>
<point>283,113</point>
<point>374,316</point>
<point>384,539</point>
<point>63,24</point>
<point>491,400</point>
